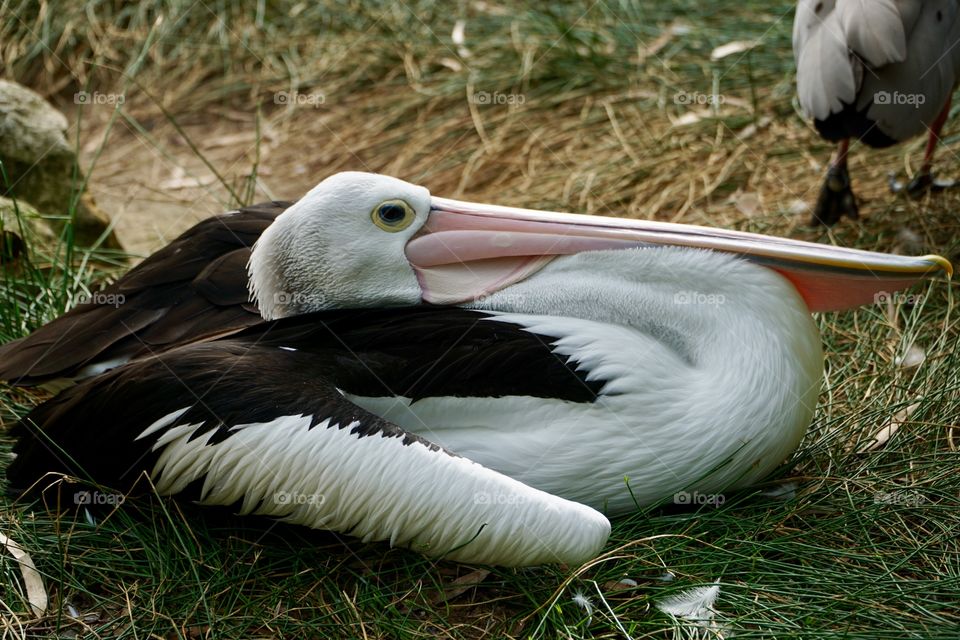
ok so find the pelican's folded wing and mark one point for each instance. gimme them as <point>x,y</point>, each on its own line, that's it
<point>251,422</point>
<point>192,289</point>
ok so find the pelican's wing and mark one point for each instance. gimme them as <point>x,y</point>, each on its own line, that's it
<point>260,421</point>
<point>878,70</point>
<point>825,78</point>
<point>908,96</point>
<point>192,289</point>
<point>876,30</point>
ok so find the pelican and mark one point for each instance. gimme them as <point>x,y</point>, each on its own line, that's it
<point>880,71</point>
<point>476,382</point>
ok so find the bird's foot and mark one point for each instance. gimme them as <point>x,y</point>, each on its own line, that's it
<point>836,199</point>
<point>921,183</point>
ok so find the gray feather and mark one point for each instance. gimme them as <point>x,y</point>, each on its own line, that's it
<point>898,58</point>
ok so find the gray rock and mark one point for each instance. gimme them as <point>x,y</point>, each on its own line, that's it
<point>39,163</point>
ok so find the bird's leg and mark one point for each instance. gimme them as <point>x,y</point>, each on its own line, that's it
<point>836,197</point>
<point>924,180</point>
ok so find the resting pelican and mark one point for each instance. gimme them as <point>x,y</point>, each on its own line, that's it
<point>479,383</point>
<point>881,71</point>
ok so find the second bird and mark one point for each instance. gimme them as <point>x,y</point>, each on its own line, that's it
<point>880,71</point>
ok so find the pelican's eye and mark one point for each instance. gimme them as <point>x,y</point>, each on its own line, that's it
<point>393,215</point>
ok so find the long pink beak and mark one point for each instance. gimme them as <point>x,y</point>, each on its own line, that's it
<point>467,250</point>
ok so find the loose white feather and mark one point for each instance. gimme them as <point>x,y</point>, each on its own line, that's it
<point>696,605</point>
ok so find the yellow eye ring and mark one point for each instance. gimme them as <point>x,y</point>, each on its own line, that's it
<point>393,215</point>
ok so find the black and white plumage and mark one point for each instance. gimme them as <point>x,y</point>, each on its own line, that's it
<point>251,422</point>
<point>881,71</point>
<point>568,353</point>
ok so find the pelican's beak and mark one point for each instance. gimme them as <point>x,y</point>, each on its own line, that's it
<point>466,251</point>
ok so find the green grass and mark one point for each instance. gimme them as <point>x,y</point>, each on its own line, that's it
<point>867,546</point>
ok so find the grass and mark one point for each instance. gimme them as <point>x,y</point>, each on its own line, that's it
<point>866,545</point>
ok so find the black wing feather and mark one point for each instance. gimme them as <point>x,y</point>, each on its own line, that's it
<point>192,289</point>
<point>429,351</point>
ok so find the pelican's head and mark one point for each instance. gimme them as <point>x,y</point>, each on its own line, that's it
<point>341,245</point>
<point>367,240</point>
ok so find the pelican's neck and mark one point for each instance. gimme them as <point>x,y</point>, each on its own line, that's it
<point>720,353</point>
<point>693,293</point>
<point>268,271</point>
